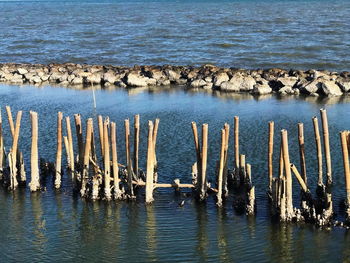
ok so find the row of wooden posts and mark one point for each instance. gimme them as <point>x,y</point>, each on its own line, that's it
<point>106,178</point>
<point>318,209</point>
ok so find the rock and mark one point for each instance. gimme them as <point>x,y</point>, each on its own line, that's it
<point>330,88</point>
<point>22,71</point>
<point>229,86</point>
<point>344,85</point>
<point>243,82</point>
<point>288,81</point>
<point>208,86</point>
<point>77,80</point>
<point>309,87</point>
<point>94,78</point>
<point>286,90</point>
<point>110,77</point>
<point>133,79</point>
<point>262,89</point>
<point>173,75</point>
<point>198,83</point>
<point>220,78</point>
<point>181,81</point>
<point>156,74</point>
<point>163,82</point>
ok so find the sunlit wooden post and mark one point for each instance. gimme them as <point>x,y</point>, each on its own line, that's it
<point>13,159</point>
<point>345,151</point>
<point>136,144</point>
<point>107,161</point>
<point>270,154</point>
<point>302,151</point>
<point>319,150</point>
<point>242,171</point>
<point>101,133</point>
<point>128,158</point>
<point>198,154</point>
<point>70,144</point>
<point>155,133</point>
<point>299,178</point>
<point>289,199</point>
<point>150,164</point>
<point>225,172</point>
<point>86,159</point>
<point>203,192</point>
<point>58,173</point>
<point>221,168</point>
<point>10,119</point>
<point>2,152</point>
<point>117,191</point>
<point>327,149</point>
<point>34,184</point>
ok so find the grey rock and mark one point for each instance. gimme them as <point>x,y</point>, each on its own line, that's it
<point>22,71</point>
<point>198,83</point>
<point>262,89</point>
<point>330,88</point>
<point>220,78</point>
<point>310,87</point>
<point>229,86</point>
<point>344,85</point>
<point>133,79</point>
<point>243,82</point>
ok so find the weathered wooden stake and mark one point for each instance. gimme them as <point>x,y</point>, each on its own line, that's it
<point>289,198</point>
<point>203,192</point>
<point>117,190</point>
<point>299,178</point>
<point>71,150</point>
<point>302,151</point>
<point>221,168</point>
<point>150,164</point>
<point>13,160</point>
<point>101,133</point>
<point>34,184</point>
<point>128,159</point>
<point>198,154</point>
<point>136,144</point>
<point>225,173</point>
<point>345,151</point>
<point>10,118</point>
<point>2,150</point>
<point>236,141</point>
<point>155,133</point>
<point>270,154</point>
<point>86,159</point>
<point>242,171</point>
<point>327,149</point>
<point>319,150</point>
<point>66,147</point>
<point>58,173</point>
<point>107,161</point>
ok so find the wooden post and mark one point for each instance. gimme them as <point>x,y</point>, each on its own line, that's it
<point>150,164</point>
<point>270,154</point>
<point>198,154</point>
<point>281,163</point>
<point>248,169</point>
<point>86,159</point>
<point>225,172</point>
<point>136,144</point>
<point>345,151</point>
<point>319,150</point>
<point>101,133</point>
<point>34,184</point>
<point>155,133</point>
<point>66,147</point>
<point>13,160</point>
<point>299,178</point>
<point>302,152</point>
<point>221,168</point>
<point>327,149</point>
<point>128,159</point>
<point>242,172</point>
<point>10,118</point>
<point>203,192</point>
<point>236,136</point>
<point>289,198</point>
<point>70,144</point>
<point>79,131</point>
<point>59,151</point>
<point>117,191</point>
<point>107,161</point>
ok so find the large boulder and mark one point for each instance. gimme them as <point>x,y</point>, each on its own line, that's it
<point>198,83</point>
<point>243,82</point>
<point>229,86</point>
<point>344,85</point>
<point>134,79</point>
<point>330,88</point>
<point>262,89</point>
<point>220,78</point>
<point>309,87</point>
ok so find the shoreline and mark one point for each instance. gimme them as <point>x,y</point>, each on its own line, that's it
<point>207,77</point>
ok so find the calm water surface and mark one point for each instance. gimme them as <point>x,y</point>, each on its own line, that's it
<point>238,33</point>
<point>57,227</point>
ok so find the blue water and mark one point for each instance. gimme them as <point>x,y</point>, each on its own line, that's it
<point>243,34</point>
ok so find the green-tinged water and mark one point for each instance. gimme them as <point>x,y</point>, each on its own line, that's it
<point>57,226</point>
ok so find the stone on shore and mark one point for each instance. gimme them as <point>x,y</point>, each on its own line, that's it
<point>134,79</point>
<point>262,89</point>
<point>330,88</point>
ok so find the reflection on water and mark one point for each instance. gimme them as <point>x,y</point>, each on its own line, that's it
<point>58,226</point>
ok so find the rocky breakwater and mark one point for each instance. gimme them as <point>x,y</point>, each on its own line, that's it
<point>261,81</point>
